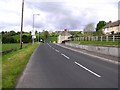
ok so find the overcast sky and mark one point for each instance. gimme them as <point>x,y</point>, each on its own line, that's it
<point>56,14</point>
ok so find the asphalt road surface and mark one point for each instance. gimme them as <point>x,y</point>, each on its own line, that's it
<point>52,66</point>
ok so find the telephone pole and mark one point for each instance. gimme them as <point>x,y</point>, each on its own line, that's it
<point>21,24</point>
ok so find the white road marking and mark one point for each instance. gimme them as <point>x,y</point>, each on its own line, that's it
<point>65,56</point>
<point>57,50</point>
<point>48,44</point>
<point>87,69</point>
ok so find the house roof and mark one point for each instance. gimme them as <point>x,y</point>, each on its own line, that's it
<point>112,24</point>
<point>65,33</point>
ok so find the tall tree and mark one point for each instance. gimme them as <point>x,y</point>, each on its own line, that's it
<point>36,32</point>
<point>89,27</point>
<point>12,33</point>
<point>100,25</point>
<point>46,34</point>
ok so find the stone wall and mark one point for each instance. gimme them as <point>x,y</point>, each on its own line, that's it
<point>113,51</point>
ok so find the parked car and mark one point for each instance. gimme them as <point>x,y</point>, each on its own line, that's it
<point>41,41</point>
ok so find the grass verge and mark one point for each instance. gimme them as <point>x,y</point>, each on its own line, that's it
<point>14,63</point>
<point>0,73</point>
<point>104,43</point>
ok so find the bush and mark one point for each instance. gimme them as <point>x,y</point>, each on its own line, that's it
<point>26,39</point>
<point>9,39</point>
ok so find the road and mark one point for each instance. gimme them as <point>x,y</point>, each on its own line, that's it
<point>52,66</point>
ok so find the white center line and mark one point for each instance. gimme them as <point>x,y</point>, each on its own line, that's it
<point>57,50</point>
<point>48,44</point>
<point>87,69</point>
<point>65,56</point>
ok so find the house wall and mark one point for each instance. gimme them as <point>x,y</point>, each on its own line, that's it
<point>109,30</point>
<point>115,29</point>
<point>62,38</point>
<point>59,38</point>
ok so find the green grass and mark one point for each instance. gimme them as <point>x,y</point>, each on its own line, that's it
<point>109,43</point>
<point>14,63</point>
<point>0,72</point>
<point>11,46</point>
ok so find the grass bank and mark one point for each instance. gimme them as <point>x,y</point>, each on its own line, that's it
<point>14,63</point>
<point>104,43</point>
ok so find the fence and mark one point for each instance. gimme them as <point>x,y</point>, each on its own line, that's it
<point>98,38</point>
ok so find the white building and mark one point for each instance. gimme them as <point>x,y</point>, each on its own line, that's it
<point>112,27</point>
<point>63,36</point>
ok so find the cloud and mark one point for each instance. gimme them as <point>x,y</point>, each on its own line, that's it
<point>55,15</point>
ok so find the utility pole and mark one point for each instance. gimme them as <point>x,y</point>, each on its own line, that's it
<point>21,24</point>
<point>33,32</point>
<point>39,37</point>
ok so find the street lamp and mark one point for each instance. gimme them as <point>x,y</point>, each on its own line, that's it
<point>21,24</point>
<point>33,33</point>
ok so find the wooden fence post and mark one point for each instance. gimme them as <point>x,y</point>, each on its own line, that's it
<point>101,38</point>
<point>106,38</point>
<point>113,38</point>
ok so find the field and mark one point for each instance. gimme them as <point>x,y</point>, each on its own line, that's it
<point>6,47</point>
<point>14,63</point>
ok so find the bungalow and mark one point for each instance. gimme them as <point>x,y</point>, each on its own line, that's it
<point>63,36</point>
<point>112,27</point>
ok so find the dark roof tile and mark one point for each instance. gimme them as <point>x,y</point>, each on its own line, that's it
<point>112,24</point>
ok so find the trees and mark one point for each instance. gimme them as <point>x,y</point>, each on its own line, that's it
<point>26,38</point>
<point>76,33</point>
<point>89,29</point>
<point>100,25</point>
<point>12,33</point>
<point>46,35</point>
<point>36,32</point>
<point>9,39</point>
<point>13,37</point>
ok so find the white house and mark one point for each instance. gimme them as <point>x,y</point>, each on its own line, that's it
<point>112,27</point>
<point>63,36</point>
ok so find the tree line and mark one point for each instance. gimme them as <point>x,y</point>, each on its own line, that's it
<point>14,37</point>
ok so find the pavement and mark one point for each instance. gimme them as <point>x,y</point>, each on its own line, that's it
<point>52,66</point>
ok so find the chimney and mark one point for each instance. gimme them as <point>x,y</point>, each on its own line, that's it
<point>110,22</point>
